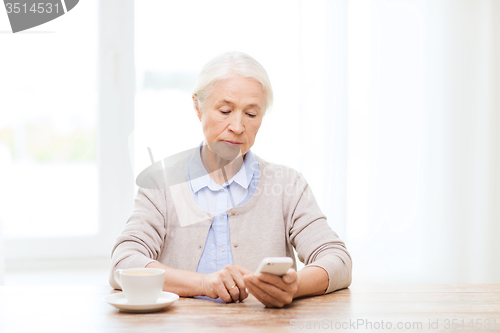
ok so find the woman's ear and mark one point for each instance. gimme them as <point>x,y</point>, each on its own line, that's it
<point>196,105</point>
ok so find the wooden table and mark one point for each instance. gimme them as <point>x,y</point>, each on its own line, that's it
<point>434,308</point>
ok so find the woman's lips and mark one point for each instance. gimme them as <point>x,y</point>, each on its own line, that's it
<point>233,143</point>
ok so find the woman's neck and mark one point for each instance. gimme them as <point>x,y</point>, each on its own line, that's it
<point>219,169</point>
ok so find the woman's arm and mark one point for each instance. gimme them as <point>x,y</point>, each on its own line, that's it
<point>227,283</point>
<point>314,240</point>
<point>311,281</point>
<point>141,239</point>
<point>183,283</point>
<point>329,265</point>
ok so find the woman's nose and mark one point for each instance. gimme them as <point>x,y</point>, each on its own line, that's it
<point>236,124</point>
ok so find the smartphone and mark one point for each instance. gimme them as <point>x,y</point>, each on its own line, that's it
<point>275,265</point>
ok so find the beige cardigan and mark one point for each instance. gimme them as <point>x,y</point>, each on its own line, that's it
<point>166,225</point>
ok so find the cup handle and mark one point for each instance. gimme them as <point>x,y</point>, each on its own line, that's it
<point>118,277</point>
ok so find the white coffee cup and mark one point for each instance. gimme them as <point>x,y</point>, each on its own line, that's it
<point>140,285</point>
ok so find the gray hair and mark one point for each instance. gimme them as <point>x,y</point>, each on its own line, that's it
<point>225,66</point>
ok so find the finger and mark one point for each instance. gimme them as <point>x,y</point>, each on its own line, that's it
<point>269,292</point>
<point>232,289</point>
<point>271,279</point>
<point>243,293</point>
<point>274,280</point>
<point>230,283</point>
<point>271,289</point>
<point>281,282</point>
<point>221,290</point>
<point>261,295</point>
<point>235,292</point>
<point>290,276</point>
<point>238,278</point>
<point>257,293</point>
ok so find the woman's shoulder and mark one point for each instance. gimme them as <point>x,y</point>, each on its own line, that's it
<point>164,173</point>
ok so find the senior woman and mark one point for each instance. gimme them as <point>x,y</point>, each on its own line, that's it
<point>246,208</point>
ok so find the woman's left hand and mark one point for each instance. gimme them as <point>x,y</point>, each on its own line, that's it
<point>271,290</point>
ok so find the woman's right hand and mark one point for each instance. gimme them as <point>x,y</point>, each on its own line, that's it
<point>226,283</point>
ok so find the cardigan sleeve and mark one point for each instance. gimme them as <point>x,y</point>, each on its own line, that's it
<point>315,242</point>
<point>141,240</point>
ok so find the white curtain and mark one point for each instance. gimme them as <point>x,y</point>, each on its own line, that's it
<point>423,141</point>
<point>323,105</point>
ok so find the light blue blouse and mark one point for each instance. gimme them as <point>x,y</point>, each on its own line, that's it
<point>217,199</point>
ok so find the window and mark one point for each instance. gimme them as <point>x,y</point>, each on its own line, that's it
<point>59,197</point>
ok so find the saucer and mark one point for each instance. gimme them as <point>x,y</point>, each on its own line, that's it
<point>118,300</point>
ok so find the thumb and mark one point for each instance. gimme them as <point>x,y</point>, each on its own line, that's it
<point>290,276</point>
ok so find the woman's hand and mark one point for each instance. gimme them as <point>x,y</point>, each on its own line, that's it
<point>271,290</point>
<point>227,284</point>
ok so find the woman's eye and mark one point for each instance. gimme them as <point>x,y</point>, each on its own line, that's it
<point>251,115</point>
<point>225,112</point>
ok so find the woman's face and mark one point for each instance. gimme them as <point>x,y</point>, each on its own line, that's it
<point>231,115</point>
